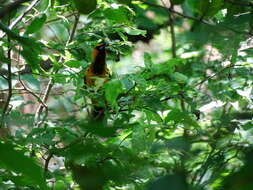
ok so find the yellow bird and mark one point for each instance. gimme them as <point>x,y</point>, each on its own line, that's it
<point>96,75</point>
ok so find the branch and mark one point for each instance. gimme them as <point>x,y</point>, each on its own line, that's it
<point>34,94</point>
<point>172,30</point>
<point>173,37</point>
<point>194,18</point>
<point>128,91</point>
<point>51,81</point>
<point>9,8</point>
<point>202,169</point>
<point>60,18</point>
<point>44,100</point>
<point>15,22</point>
<point>3,73</point>
<point>240,4</point>
<point>9,77</point>
<point>74,142</point>
<point>215,74</point>
<point>74,28</point>
<point>29,8</point>
<point>47,160</point>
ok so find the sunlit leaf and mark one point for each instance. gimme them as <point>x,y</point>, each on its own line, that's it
<point>16,161</point>
<point>36,24</point>
<point>113,89</point>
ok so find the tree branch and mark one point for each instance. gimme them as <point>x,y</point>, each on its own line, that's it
<point>33,94</point>
<point>47,160</point>
<point>51,81</point>
<point>9,8</point>
<point>194,18</point>
<point>15,22</point>
<point>173,37</point>
<point>215,74</point>
<point>240,3</point>
<point>172,29</point>
<point>9,77</point>
<point>44,100</point>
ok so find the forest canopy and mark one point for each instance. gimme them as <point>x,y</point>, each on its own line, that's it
<point>126,94</point>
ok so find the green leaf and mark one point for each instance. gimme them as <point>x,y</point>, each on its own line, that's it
<point>31,48</point>
<point>135,31</point>
<point>148,60</point>
<point>199,6</point>
<point>215,6</point>
<point>179,116</point>
<point>3,58</point>
<point>73,63</point>
<point>175,181</point>
<point>248,125</point>
<point>55,62</point>
<point>152,116</point>
<point>31,57</point>
<point>119,14</point>
<point>60,185</point>
<point>139,138</point>
<point>84,6</point>
<point>179,77</point>
<point>3,83</point>
<point>127,2</point>
<point>206,7</point>
<point>36,24</point>
<point>167,67</point>
<point>177,2</point>
<point>178,143</point>
<point>113,89</point>
<point>174,115</point>
<point>17,162</point>
<point>43,5</point>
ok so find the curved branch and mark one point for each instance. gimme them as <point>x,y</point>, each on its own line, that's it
<point>51,81</point>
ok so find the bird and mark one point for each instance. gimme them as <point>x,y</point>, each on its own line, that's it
<point>96,75</point>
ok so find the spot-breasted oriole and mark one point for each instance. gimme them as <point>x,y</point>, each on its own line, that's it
<point>96,75</point>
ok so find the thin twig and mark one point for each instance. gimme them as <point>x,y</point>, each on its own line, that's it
<point>173,11</point>
<point>47,160</point>
<point>173,37</point>
<point>44,100</point>
<point>172,30</point>
<point>128,91</point>
<point>4,76</point>
<point>215,74</point>
<point>71,37</point>
<point>33,94</point>
<point>74,28</point>
<point>15,22</point>
<point>51,81</point>
<point>194,18</point>
<point>7,102</point>
<point>53,20</point>
<point>60,18</point>
<point>76,141</point>
<point>26,92</point>
<point>240,3</point>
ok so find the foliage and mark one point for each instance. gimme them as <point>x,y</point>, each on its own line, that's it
<point>181,120</point>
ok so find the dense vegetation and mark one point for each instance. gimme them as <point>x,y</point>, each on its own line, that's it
<point>178,106</point>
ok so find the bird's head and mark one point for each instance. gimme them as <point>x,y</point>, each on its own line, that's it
<point>99,49</point>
